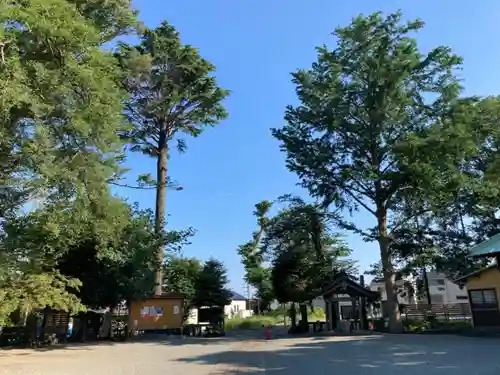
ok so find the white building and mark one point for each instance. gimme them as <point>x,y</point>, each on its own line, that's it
<point>405,295</point>
<point>441,288</point>
<point>238,307</point>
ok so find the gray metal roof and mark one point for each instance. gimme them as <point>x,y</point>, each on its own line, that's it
<point>489,247</point>
<point>237,297</point>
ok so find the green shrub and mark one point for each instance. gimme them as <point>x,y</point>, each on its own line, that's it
<point>433,324</point>
<point>317,314</point>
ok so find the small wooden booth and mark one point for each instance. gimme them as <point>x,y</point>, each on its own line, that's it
<point>360,296</point>
<point>160,313</point>
<point>483,286</point>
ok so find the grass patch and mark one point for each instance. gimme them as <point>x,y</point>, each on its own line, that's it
<point>313,315</point>
<point>316,314</point>
<point>256,321</point>
<point>275,317</point>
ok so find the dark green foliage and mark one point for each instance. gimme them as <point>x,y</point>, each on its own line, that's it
<point>172,90</point>
<point>180,275</point>
<point>211,286</point>
<point>111,17</point>
<point>172,94</point>
<point>365,108</point>
<point>60,114</point>
<point>305,254</point>
<point>459,210</point>
<point>118,270</point>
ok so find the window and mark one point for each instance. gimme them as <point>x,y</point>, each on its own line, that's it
<point>484,297</point>
<point>462,298</point>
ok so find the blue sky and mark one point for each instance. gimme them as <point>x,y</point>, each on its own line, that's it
<point>255,46</point>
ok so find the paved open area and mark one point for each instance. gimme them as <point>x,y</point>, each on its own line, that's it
<point>378,355</point>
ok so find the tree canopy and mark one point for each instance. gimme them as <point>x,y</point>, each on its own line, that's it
<point>67,242</point>
<point>305,253</point>
<point>211,286</point>
<point>366,109</point>
<point>172,93</point>
<point>379,127</point>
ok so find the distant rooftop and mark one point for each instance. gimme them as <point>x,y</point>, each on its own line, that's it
<point>237,297</point>
<point>488,247</point>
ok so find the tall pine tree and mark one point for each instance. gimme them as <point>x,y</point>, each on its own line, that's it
<point>172,94</point>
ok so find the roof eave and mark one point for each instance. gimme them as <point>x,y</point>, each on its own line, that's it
<point>475,273</point>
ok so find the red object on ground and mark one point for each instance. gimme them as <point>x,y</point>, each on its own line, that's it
<point>268,333</point>
<point>370,326</point>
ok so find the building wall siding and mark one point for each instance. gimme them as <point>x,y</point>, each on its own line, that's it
<point>486,280</point>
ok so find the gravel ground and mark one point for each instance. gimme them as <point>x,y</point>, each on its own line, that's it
<point>251,355</point>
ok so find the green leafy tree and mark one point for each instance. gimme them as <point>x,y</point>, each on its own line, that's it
<point>61,105</point>
<point>461,212</point>
<point>305,254</point>
<point>112,18</point>
<point>257,275</point>
<point>60,114</point>
<point>117,269</point>
<point>172,93</point>
<point>180,275</point>
<point>352,138</point>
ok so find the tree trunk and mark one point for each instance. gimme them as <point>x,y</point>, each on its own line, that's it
<point>43,329</point>
<point>426,286</point>
<point>395,323</point>
<point>293,316</point>
<point>304,323</point>
<point>161,200</point>
<point>23,317</point>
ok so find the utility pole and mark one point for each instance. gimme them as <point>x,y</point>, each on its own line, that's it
<point>249,295</point>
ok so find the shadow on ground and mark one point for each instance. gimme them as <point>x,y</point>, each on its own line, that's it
<point>153,339</point>
<point>355,355</point>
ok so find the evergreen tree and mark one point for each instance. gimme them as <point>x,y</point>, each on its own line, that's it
<point>172,93</point>
<point>351,139</point>
<point>211,286</point>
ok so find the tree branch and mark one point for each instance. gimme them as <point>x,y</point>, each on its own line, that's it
<point>137,187</point>
<point>360,202</point>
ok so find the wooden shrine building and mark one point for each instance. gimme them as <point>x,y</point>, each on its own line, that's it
<point>342,287</point>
